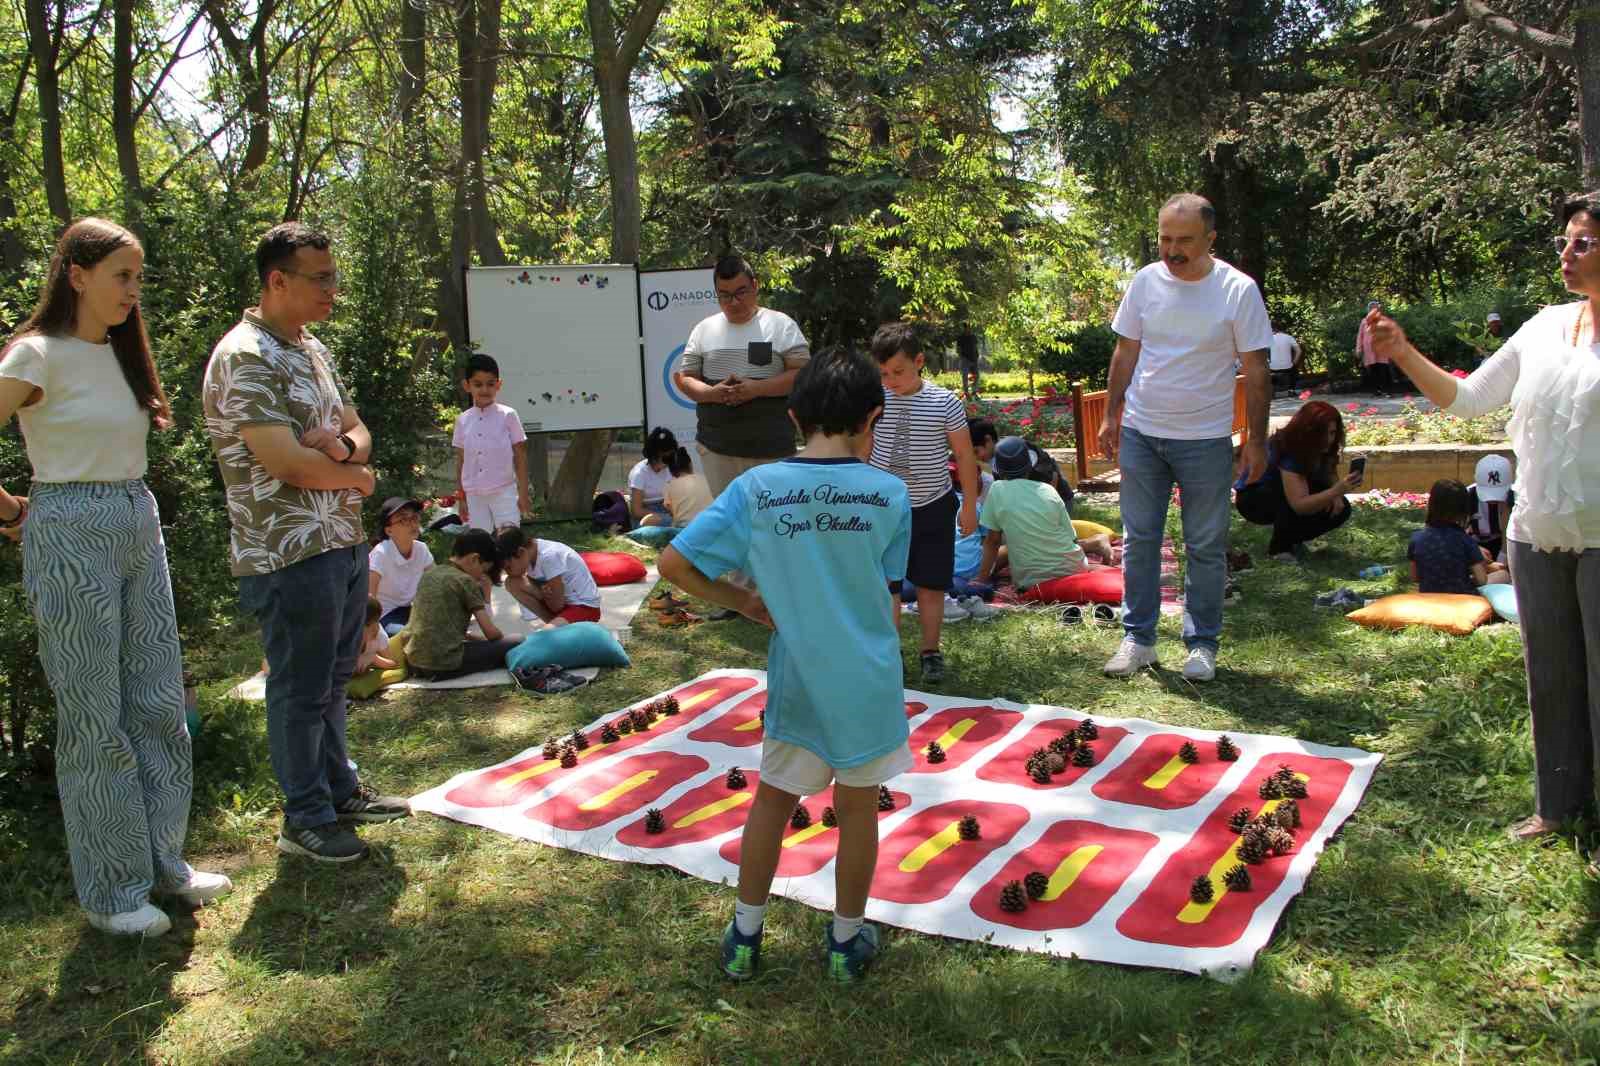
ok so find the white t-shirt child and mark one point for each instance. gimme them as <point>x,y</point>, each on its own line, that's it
<point>398,575</point>
<point>556,559</point>
<point>652,484</point>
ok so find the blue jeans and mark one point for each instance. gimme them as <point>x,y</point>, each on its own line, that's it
<point>311,614</point>
<point>1203,471</point>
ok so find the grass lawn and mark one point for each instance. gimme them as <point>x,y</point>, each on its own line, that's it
<point>1423,935</point>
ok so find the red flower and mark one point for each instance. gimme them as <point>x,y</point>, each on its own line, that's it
<point>1352,407</point>
<point>1370,411</point>
<point>1306,395</point>
<point>1458,373</point>
<point>1026,422</point>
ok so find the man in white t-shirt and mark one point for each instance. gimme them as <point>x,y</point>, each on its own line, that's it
<point>1169,418</point>
<point>738,367</point>
<point>1284,362</point>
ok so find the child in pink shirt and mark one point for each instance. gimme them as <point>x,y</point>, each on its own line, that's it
<point>491,453</point>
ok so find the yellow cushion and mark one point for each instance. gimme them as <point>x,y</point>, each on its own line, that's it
<point>1452,613</point>
<point>1091,529</point>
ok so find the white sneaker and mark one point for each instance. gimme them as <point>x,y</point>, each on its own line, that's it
<point>201,888</point>
<point>1131,657</point>
<point>148,920</point>
<point>954,611</point>
<point>977,610</point>
<point>1201,665</point>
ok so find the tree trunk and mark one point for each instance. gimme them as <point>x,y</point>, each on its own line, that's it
<point>417,156</point>
<point>13,253</point>
<point>122,105</point>
<point>44,43</point>
<point>1586,65</point>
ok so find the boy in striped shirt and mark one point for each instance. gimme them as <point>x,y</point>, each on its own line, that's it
<point>922,425</point>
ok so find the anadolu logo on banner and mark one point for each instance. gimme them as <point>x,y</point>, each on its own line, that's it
<point>672,302</point>
<point>658,301</point>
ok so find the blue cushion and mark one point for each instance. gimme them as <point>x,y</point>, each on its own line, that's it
<point>573,645</point>
<point>653,535</point>
<point>1503,598</point>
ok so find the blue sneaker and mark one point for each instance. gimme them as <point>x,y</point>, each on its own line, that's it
<point>849,961</point>
<point>741,955</point>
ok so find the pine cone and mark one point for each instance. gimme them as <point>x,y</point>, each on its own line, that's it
<point>1239,819</point>
<point>640,719</point>
<point>1288,814</point>
<point>1188,752</point>
<point>578,740</point>
<point>609,734</point>
<point>669,705</point>
<point>1056,763</point>
<point>569,757</point>
<point>1013,899</point>
<point>1039,758</point>
<point>1227,750</point>
<point>1296,789</point>
<point>1037,884</point>
<point>829,818</point>
<point>969,828</point>
<point>1040,774</point>
<point>935,752</point>
<point>736,779</point>
<point>552,749</point>
<point>1253,848</point>
<point>801,817</point>
<point>1063,744</point>
<point>1270,789</point>
<point>885,798</point>
<point>1201,890</point>
<point>653,821</point>
<point>1084,756</point>
<point>624,725</point>
<point>1284,774</point>
<point>1237,878</point>
<point>1087,730</point>
<point>1281,841</point>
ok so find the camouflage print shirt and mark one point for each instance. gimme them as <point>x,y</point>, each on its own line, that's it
<point>256,377</point>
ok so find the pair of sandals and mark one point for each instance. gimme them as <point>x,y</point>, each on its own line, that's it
<point>673,612</point>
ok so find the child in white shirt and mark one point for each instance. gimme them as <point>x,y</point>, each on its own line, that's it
<point>491,453</point>
<point>649,478</point>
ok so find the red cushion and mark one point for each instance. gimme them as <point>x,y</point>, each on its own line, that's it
<point>1100,585</point>
<point>613,568</point>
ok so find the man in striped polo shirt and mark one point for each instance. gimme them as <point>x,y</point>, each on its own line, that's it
<point>922,425</point>
<point>738,368</point>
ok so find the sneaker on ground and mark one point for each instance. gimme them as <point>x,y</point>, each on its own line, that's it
<point>548,680</point>
<point>850,961</point>
<point>1131,657</point>
<point>365,805</point>
<point>329,842</point>
<point>933,666</point>
<point>201,888</point>
<point>725,614</point>
<point>148,920</point>
<point>977,610</point>
<point>953,611</point>
<point>1200,665</point>
<point>741,955</point>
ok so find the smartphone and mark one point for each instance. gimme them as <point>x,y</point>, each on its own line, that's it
<point>759,353</point>
<point>1358,466</point>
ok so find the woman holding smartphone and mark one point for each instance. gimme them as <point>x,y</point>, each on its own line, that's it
<point>1301,495</point>
<point>1549,372</point>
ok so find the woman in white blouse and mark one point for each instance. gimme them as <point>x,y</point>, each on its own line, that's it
<point>1549,372</point>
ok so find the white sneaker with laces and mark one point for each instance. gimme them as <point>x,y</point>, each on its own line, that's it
<point>1201,665</point>
<point>148,920</point>
<point>1131,657</point>
<point>201,888</point>
<point>977,610</point>
<point>953,611</point>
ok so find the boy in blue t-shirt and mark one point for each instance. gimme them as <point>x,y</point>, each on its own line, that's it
<point>822,534</point>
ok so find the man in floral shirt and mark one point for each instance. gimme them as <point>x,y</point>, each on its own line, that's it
<point>292,451</point>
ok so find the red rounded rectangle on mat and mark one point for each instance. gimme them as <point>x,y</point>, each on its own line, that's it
<point>805,851</point>
<point>1154,776</point>
<point>914,708</point>
<point>962,732</point>
<point>705,811</point>
<point>1010,765</point>
<point>1163,914</point>
<point>1086,862</point>
<point>738,727</point>
<point>509,785</point>
<point>620,789</point>
<point>922,860</point>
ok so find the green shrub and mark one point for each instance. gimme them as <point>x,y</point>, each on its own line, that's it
<point>1084,355</point>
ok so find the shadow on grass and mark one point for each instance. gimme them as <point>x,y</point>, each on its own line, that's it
<point>317,918</point>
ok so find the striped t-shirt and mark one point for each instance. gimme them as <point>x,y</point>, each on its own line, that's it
<point>912,439</point>
<point>759,429</point>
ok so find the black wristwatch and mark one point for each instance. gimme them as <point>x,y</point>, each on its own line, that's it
<point>348,443</point>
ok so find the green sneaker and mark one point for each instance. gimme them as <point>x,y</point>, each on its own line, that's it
<point>741,955</point>
<point>849,961</point>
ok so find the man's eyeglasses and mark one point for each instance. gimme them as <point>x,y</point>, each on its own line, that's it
<point>1580,245</point>
<point>327,282</point>
<point>735,296</point>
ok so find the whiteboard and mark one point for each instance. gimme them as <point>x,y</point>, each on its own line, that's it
<point>566,339</point>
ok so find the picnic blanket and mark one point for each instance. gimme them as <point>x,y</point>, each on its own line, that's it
<point>618,605</point>
<point>1171,584</point>
<point>1117,842</point>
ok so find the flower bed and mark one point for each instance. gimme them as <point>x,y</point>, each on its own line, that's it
<point>1366,426</point>
<point>1046,419</point>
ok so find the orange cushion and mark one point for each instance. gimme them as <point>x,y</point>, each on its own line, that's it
<point>1100,585</point>
<point>613,568</point>
<point>1450,612</point>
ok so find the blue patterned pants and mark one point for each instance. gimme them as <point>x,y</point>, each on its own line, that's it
<point>96,573</point>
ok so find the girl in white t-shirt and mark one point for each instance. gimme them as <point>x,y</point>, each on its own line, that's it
<point>397,561</point>
<point>80,377</point>
<point>649,478</point>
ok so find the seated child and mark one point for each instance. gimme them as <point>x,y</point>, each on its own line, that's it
<point>1040,542</point>
<point>687,494</point>
<point>1492,501</point>
<point>835,708</point>
<point>380,664</point>
<point>1444,556</point>
<point>649,478</point>
<point>549,579</point>
<point>448,597</point>
<point>397,561</point>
